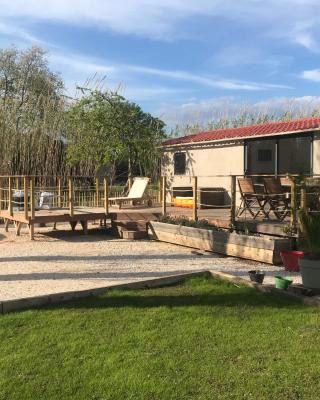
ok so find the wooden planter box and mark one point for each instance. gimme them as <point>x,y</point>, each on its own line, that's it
<point>259,248</point>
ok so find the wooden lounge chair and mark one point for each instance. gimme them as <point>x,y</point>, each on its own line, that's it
<point>136,193</point>
<point>250,200</point>
<point>277,199</point>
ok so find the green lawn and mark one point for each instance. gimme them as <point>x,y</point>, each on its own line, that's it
<point>203,339</point>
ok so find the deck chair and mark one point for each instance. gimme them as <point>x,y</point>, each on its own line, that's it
<point>250,200</point>
<point>136,193</point>
<point>277,199</point>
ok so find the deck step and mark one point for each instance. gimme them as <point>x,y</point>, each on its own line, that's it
<point>134,235</point>
<point>129,229</point>
<point>134,216</point>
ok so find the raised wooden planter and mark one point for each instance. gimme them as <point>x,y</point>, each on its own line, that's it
<point>260,248</point>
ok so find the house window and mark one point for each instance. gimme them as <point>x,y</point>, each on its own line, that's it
<point>265,155</point>
<point>179,163</point>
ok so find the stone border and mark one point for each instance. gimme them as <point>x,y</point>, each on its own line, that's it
<point>7,306</point>
<point>45,300</point>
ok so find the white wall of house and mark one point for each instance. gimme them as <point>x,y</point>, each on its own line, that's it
<point>212,165</point>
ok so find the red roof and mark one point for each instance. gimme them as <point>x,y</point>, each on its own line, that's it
<point>248,131</point>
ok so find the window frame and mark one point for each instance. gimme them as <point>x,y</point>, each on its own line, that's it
<point>185,162</point>
<point>277,138</point>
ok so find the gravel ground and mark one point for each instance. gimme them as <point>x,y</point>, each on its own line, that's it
<point>61,261</point>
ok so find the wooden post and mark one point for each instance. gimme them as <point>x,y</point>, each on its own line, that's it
<point>71,208</point>
<point>195,199</point>
<point>106,195</point>
<point>159,191</point>
<point>1,194</point>
<point>10,197</point>
<point>233,208</point>
<point>97,192</point>
<point>26,196</point>
<point>303,203</point>
<point>32,208</point>
<point>59,192</point>
<point>17,183</point>
<point>293,206</point>
<point>164,195</point>
<point>303,200</point>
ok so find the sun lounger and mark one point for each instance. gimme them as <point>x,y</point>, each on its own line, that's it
<point>136,193</point>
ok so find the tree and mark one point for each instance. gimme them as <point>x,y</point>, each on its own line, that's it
<point>32,110</point>
<point>108,129</point>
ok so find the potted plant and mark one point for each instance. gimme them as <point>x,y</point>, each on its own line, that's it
<point>256,276</point>
<point>310,262</point>
<point>282,282</point>
<point>290,259</point>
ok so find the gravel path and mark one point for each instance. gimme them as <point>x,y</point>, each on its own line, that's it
<point>65,261</point>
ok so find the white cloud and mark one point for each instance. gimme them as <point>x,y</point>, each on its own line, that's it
<point>208,81</point>
<point>15,31</point>
<point>288,19</point>
<point>312,75</point>
<point>82,64</point>
<point>141,17</point>
<point>123,72</point>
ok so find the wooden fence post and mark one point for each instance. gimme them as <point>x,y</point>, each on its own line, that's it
<point>164,195</point>
<point>32,208</point>
<point>195,199</point>
<point>59,192</point>
<point>71,208</point>
<point>106,195</point>
<point>26,196</point>
<point>97,192</point>
<point>293,206</point>
<point>303,202</point>
<point>1,194</point>
<point>159,191</point>
<point>233,208</point>
<point>10,197</point>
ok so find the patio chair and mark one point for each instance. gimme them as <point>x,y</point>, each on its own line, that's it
<point>250,200</point>
<point>277,199</point>
<point>136,193</point>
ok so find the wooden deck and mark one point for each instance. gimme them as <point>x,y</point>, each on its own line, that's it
<point>216,217</point>
<point>80,215</point>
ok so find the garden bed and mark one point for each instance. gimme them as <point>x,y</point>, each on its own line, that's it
<point>253,247</point>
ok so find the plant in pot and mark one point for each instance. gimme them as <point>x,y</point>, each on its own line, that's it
<point>290,258</point>
<point>310,262</point>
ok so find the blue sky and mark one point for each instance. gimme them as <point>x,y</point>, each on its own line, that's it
<point>184,60</point>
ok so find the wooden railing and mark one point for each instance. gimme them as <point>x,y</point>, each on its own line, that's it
<point>66,193</point>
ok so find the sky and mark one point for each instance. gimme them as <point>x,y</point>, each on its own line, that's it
<point>182,60</point>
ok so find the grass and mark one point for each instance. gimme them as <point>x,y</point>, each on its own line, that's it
<point>203,339</point>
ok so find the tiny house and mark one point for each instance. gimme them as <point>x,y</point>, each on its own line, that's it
<point>274,148</point>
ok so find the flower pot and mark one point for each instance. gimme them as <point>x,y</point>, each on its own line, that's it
<point>256,276</point>
<point>282,283</point>
<point>310,272</point>
<point>290,259</point>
